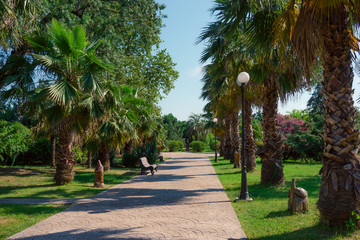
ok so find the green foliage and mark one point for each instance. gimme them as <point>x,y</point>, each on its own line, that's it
<point>212,145</point>
<point>80,155</point>
<point>354,221</point>
<point>148,150</point>
<point>197,146</point>
<point>175,129</point>
<point>305,144</point>
<point>175,146</point>
<point>14,140</point>
<point>39,153</point>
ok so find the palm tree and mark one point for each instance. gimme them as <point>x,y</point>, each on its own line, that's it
<point>324,30</point>
<point>195,125</point>
<point>75,92</point>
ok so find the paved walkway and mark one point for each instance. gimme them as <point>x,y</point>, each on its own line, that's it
<point>183,200</point>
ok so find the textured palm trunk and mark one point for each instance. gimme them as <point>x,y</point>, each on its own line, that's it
<point>53,151</point>
<point>89,161</point>
<point>64,156</point>
<point>128,146</point>
<point>104,156</point>
<point>222,145</point>
<point>272,169</point>
<point>235,137</point>
<point>227,142</point>
<point>250,145</point>
<point>340,175</point>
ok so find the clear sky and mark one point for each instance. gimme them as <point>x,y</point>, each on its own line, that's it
<point>185,21</point>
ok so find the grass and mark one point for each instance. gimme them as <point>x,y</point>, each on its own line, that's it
<point>267,216</point>
<point>15,218</point>
<point>37,182</point>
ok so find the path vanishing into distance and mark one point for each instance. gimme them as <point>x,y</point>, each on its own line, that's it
<point>183,200</point>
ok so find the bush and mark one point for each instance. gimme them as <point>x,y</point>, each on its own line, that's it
<point>39,153</point>
<point>14,140</point>
<point>197,146</point>
<point>212,145</point>
<point>80,156</point>
<point>149,150</point>
<point>175,146</point>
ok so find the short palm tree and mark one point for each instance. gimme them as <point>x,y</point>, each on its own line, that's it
<point>74,91</point>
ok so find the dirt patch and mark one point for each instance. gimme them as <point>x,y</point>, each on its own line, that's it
<point>9,171</point>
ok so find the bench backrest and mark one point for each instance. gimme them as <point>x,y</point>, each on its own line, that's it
<point>144,162</point>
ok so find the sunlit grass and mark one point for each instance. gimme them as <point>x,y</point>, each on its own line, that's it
<point>38,182</point>
<point>15,218</point>
<point>267,216</point>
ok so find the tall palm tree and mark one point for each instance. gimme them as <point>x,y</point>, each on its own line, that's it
<point>325,30</point>
<point>75,92</point>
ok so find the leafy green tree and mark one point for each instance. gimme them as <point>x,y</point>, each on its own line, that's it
<point>14,140</point>
<point>175,128</point>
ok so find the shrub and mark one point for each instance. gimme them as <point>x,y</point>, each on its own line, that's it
<point>212,145</point>
<point>80,156</point>
<point>39,153</point>
<point>14,140</point>
<point>197,146</point>
<point>149,150</point>
<point>175,146</point>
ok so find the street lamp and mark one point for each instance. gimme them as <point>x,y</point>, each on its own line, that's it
<point>215,121</point>
<point>242,79</point>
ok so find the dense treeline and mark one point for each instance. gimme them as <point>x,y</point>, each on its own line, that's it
<point>85,75</point>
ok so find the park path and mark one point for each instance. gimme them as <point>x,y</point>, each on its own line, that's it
<point>183,200</point>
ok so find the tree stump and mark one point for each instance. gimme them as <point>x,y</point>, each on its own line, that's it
<point>237,158</point>
<point>99,175</point>
<point>298,199</point>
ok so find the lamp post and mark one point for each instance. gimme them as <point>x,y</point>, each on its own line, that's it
<point>242,79</point>
<point>215,121</point>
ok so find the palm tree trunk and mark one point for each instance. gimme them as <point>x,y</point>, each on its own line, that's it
<point>272,169</point>
<point>235,137</point>
<point>53,150</point>
<point>250,145</point>
<point>89,159</point>
<point>64,156</point>
<point>340,184</point>
<point>222,145</point>
<point>227,142</point>
<point>104,156</point>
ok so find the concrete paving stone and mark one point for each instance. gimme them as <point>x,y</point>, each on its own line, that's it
<point>183,200</point>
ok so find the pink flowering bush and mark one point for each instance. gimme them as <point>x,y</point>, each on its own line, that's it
<point>301,139</point>
<point>289,125</point>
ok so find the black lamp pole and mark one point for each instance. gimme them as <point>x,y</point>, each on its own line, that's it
<point>244,194</point>
<point>216,159</point>
<point>242,79</point>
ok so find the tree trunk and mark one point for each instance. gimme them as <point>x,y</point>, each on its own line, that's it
<point>340,184</point>
<point>64,155</point>
<point>227,142</point>
<point>89,159</point>
<point>222,145</point>
<point>235,137</point>
<point>272,168</point>
<point>128,147</point>
<point>250,145</point>
<point>104,156</point>
<point>53,151</point>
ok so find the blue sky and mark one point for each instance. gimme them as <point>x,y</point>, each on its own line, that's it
<point>185,21</point>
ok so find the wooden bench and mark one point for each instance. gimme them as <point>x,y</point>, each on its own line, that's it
<point>145,166</point>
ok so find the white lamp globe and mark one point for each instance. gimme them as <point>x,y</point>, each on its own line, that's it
<point>215,120</point>
<point>243,78</point>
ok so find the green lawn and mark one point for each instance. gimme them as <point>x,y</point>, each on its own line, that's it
<point>267,216</point>
<point>15,217</point>
<point>37,182</point>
